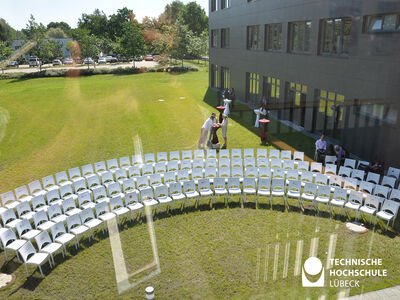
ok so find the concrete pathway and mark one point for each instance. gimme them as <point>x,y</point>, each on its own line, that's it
<point>392,293</point>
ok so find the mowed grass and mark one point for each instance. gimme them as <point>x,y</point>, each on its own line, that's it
<point>50,125</point>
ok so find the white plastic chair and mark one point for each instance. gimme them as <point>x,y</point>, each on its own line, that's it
<point>8,201</point>
<point>274,154</point>
<point>298,155</point>
<point>249,162</point>
<point>41,221</point>
<point>132,202</point>
<point>388,212</point>
<point>211,163</point>
<point>198,154</point>
<point>75,173</point>
<point>236,162</point>
<point>162,196</point>
<point>237,172</point>
<point>278,188</point>
<point>323,196</point>
<point>61,236</point>
<point>210,173</point>
<point>211,153</point>
<point>10,242</point>
<point>100,167</point>
<point>262,162</point>
<point>173,166</point>
<point>106,177</point>
<point>134,171</point>
<point>24,211</point>
<point>303,166</point>
<point>292,175</point>
<point>62,178</point>
<point>234,188</point>
<point>103,213</point>
<point>389,182</point>
<point>220,188</point>
<point>22,194</point>
<point>224,154</point>
<point>85,200</point>
<point>393,172</point>
<point>147,169</point>
<point>36,189</point>
<point>100,194</point>
<point>198,163</point>
<point>69,207</point>
<point>335,182</point>
<point>236,153</point>
<point>125,162</point>
<point>31,257</point>
<point>306,177</point>
<point>162,157</point>
<point>25,230</point>
<point>330,169</point>
<point>264,189</point>
<point>321,179</point>
<point>80,186</point>
<point>249,188</point>
<point>264,173</point>
<point>350,184</point>
<point>316,167</point>
<point>55,214</point>
<point>251,172</point>
<point>142,182</point>
<point>89,220</point>
<point>186,165</point>
<point>189,189</point>
<point>149,158</point>
<point>49,183</point>
<point>262,153</point>
<point>9,218</point>
<point>155,180</point>
<point>169,177</point>
<point>93,181</point>
<point>160,167</point>
<point>395,195</point>
<point>74,225</point>
<point>187,155</point>
<point>373,178</point>
<point>118,208</point>
<point>349,163</point>
<point>174,156</point>
<point>330,159</point>
<point>275,163</point>
<point>129,185</point>
<point>358,174</point>
<point>197,174</point>
<point>381,191</point>
<point>175,190</point>
<point>278,174</point>
<point>371,205</point>
<point>38,203</point>
<point>344,171</point>
<point>293,191</point>
<point>309,193</point>
<point>224,163</point>
<point>66,191</point>
<point>286,155</point>
<point>248,153</point>
<point>120,175</point>
<point>205,189</point>
<point>137,160</point>
<point>339,199</point>
<point>354,203</point>
<point>366,187</point>
<point>288,164</point>
<point>183,175</point>
<point>147,197</point>
<point>45,245</point>
<point>224,172</point>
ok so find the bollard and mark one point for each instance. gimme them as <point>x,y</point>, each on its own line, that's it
<point>149,293</point>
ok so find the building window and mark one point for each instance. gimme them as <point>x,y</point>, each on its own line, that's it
<point>252,87</point>
<point>298,89</point>
<point>300,36</point>
<point>214,5</point>
<point>273,37</point>
<point>336,36</point>
<point>253,37</point>
<point>225,4</point>
<point>215,77</point>
<point>225,37</point>
<point>214,38</point>
<point>274,88</point>
<point>382,23</point>
<point>225,78</point>
<point>330,104</point>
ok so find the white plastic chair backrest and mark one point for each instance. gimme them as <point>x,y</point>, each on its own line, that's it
<point>93,180</point>
<point>278,184</point>
<point>68,204</point>
<point>298,155</point>
<point>128,185</point>
<point>61,177</point>
<point>330,159</point>
<point>162,157</point>
<point>142,181</point>
<point>262,153</point>
<point>224,172</point>
<point>198,163</point>
<point>335,181</point>
<point>73,221</point>
<point>101,208</point>
<point>224,153</point>
<point>391,207</point>
<point>7,237</point>
<point>183,175</point>
<point>155,179</point>
<point>131,197</point>
<point>169,177</point>
<point>116,202</point>
<point>340,194</point>
<point>249,183</point>
<point>395,195</point>
<point>147,169</point>
<point>39,218</point>
<point>20,192</point>
<point>84,198</point>
<point>79,185</point>
<point>57,230</point>
<point>210,172</point>
<point>211,162</point>
<point>189,186</point>
<point>310,188</point>
<point>186,165</point>
<point>66,190</point>
<point>198,154</point>
<point>236,153</point>
<point>38,201</point>
<point>372,201</point>
<point>237,172</point>
<point>26,251</point>
<point>381,191</point>
<point>42,240</point>
<point>288,164</point>
<point>160,167</point>
<point>134,171</point>
<point>125,162</point>
<point>316,167</point>
<point>146,194</point>
<point>358,174</point>
<point>23,208</point>
<point>211,153</point>
<point>330,169</point>
<point>100,166</point>
<point>74,173</point>
<point>292,175</point>
<point>161,191</point>
<point>137,159</point>
<point>303,165</point>
<point>112,164</point>
<point>264,173</point>
<point>48,181</point>
<point>307,176</point>
<point>294,186</point>
<point>35,186</point>
<point>23,227</point>
<point>274,154</point>
<point>344,171</point>
<point>187,155</point>
<point>349,163</point>
<point>197,173</point>
<point>373,177</point>
<point>99,192</point>
<point>389,181</point>
<point>233,183</point>
<point>248,153</point>
<point>262,162</point>
<point>107,177</point>
<point>120,174</point>
<point>393,172</point>
<point>173,165</point>
<point>7,197</point>
<point>366,187</point>
<point>219,183</point>
<point>324,191</point>
<point>149,158</point>
<point>264,184</point>
<point>204,184</point>
<point>174,156</point>
<point>175,188</point>
<point>86,215</point>
<point>54,210</point>
<point>356,197</point>
<point>249,162</point>
<point>321,179</point>
<point>251,172</point>
<point>236,162</point>
<point>279,173</point>
<point>286,155</point>
<point>276,163</point>
<point>224,162</point>
<point>350,183</point>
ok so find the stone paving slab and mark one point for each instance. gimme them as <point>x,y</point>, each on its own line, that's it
<point>392,293</point>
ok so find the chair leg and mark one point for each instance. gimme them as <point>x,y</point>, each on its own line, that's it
<point>40,269</point>
<point>27,272</point>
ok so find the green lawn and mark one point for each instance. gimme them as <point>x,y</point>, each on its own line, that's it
<point>50,125</point>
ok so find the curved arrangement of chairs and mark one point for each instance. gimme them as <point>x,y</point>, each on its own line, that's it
<point>59,209</point>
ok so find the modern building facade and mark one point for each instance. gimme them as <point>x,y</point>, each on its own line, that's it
<point>324,66</point>
<point>17,44</point>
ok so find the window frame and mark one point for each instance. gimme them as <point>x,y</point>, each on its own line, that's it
<point>225,32</point>
<point>305,42</point>
<point>250,41</point>
<point>214,39</point>
<point>340,51</point>
<point>368,19</point>
<point>267,35</point>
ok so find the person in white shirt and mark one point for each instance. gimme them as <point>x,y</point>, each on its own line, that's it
<point>224,126</point>
<point>320,148</point>
<point>205,129</point>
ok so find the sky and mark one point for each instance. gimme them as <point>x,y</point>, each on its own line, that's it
<point>17,12</point>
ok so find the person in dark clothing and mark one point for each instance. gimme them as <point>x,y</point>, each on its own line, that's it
<point>219,96</point>
<point>330,150</point>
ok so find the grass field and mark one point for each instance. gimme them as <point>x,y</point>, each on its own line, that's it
<point>50,125</point>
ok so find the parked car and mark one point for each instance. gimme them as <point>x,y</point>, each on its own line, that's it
<point>108,58</point>
<point>68,61</point>
<point>123,59</point>
<point>101,60</point>
<point>149,57</point>
<point>138,58</point>
<point>34,61</point>
<point>57,62</point>
<point>88,61</point>
<point>13,64</point>
<point>114,59</point>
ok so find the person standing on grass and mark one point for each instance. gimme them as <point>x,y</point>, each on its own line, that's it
<point>224,126</point>
<point>205,129</point>
<point>320,149</point>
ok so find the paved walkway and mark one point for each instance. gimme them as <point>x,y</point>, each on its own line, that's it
<point>392,293</point>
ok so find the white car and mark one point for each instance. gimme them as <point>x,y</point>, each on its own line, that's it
<point>57,62</point>
<point>68,61</point>
<point>88,61</point>
<point>102,60</point>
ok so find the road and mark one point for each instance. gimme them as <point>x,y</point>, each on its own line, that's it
<point>27,69</point>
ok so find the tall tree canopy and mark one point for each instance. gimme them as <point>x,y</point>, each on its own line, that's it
<point>61,25</point>
<point>172,11</point>
<point>95,23</point>
<point>194,16</point>
<point>7,33</point>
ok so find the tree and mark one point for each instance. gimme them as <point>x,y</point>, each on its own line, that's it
<point>172,11</point>
<point>36,33</point>
<point>183,36</point>
<point>7,33</point>
<point>194,16</point>
<point>95,24</point>
<point>61,25</point>
<point>56,33</point>
<point>198,45</point>
<point>131,42</point>
<point>116,21</point>
<point>74,49</point>
<point>105,45</point>
<point>5,53</point>
<point>87,43</point>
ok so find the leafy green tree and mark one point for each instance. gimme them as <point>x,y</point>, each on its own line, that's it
<point>105,45</point>
<point>194,16</point>
<point>56,33</point>
<point>7,33</point>
<point>116,21</point>
<point>61,25</point>
<point>5,53</point>
<point>181,46</point>
<point>198,45</point>
<point>131,42</point>
<point>95,24</point>
<point>34,31</point>
<point>172,11</point>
